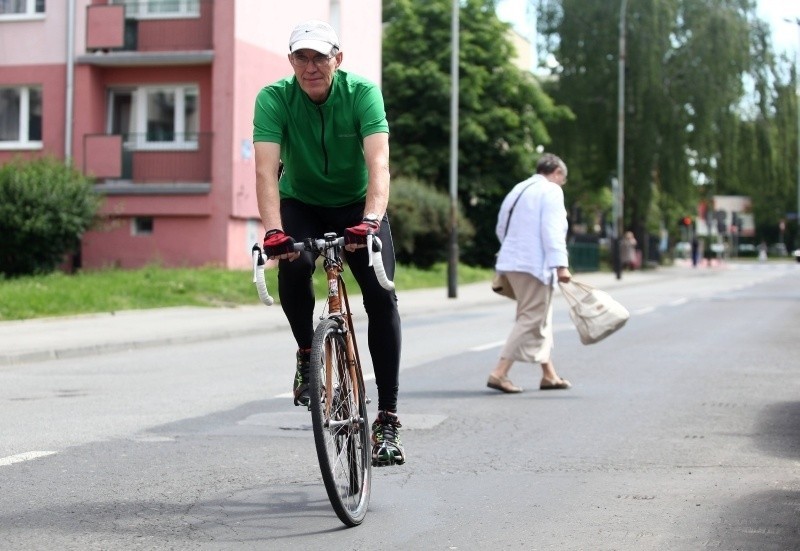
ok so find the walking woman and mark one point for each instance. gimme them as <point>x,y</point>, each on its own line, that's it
<point>533,256</point>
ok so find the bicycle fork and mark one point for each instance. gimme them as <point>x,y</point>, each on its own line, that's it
<point>332,271</point>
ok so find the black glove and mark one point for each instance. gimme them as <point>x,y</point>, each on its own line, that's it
<point>357,235</point>
<point>277,243</point>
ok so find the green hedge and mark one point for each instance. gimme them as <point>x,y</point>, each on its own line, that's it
<point>45,207</point>
<point>420,219</point>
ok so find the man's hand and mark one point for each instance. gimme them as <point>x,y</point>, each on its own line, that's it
<point>356,236</point>
<point>563,274</point>
<point>279,245</point>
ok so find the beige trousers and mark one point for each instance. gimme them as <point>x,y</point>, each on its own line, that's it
<point>531,339</point>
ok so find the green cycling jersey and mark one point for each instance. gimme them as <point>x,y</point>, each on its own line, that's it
<point>321,145</point>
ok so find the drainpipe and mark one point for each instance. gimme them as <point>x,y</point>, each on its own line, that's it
<point>68,114</point>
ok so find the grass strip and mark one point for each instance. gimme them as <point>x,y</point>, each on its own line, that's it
<point>111,290</point>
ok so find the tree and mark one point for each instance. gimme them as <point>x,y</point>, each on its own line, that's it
<point>691,124</point>
<point>503,112</point>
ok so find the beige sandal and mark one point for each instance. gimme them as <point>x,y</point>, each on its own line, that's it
<point>503,384</point>
<point>555,384</point>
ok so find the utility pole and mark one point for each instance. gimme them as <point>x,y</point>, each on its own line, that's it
<point>796,21</point>
<point>619,196</point>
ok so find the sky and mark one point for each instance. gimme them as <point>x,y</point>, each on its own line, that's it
<point>785,36</point>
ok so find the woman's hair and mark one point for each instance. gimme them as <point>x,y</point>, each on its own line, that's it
<point>549,163</point>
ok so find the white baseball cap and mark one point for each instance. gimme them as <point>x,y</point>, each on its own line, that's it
<point>314,35</point>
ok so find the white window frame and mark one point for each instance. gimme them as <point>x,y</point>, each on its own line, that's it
<point>138,122</point>
<point>24,118</point>
<point>140,9</point>
<point>29,13</point>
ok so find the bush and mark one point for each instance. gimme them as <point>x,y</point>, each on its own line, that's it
<point>45,207</point>
<point>420,219</point>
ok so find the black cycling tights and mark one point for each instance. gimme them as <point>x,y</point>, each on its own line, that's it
<point>297,293</point>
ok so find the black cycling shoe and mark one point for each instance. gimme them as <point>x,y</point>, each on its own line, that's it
<point>301,378</point>
<point>386,446</point>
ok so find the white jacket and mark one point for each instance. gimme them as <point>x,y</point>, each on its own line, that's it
<point>536,241</point>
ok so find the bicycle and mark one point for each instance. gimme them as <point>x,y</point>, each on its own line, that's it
<point>338,401</point>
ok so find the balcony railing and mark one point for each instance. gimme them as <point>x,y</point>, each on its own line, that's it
<point>150,26</point>
<point>146,159</point>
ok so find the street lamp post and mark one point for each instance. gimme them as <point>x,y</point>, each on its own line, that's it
<point>796,21</point>
<point>452,264</point>
<point>619,196</point>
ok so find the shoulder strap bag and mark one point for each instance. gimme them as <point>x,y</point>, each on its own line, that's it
<point>500,284</point>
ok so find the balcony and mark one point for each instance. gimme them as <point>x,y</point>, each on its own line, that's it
<point>142,33</point>
<point>145,164</point>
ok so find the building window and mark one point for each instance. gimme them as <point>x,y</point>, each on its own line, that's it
<point>21,117</point>
<point>17,8</point>
<point>160,9</point>
<point>142,225</point>
<point>156,117</point>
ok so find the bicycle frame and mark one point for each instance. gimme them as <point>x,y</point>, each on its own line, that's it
<point>337,296</point>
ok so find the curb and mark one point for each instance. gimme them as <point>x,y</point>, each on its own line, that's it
<point>45,339</point>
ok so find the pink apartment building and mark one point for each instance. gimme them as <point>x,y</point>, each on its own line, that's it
<point>154,99</point>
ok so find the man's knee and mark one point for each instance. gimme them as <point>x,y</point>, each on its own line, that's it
<point>383,309</point>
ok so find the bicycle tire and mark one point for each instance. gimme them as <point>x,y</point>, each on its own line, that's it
<point>342,437</point>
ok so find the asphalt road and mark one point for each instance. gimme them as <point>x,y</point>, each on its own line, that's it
<point>682,431</point>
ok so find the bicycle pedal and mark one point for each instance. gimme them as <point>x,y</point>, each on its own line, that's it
<point>385,463</point>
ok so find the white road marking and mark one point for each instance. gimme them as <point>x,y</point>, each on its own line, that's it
<point>557,328</point>
<point>679,301</point>
<point>488,346</point>
<point>20,457</point>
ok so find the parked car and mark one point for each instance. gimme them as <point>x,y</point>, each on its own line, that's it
<point>796,254</point>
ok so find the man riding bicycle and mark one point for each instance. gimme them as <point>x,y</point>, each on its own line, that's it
<point>322,165</point>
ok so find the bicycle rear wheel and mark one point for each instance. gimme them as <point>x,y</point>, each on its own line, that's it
<point>339,419</point>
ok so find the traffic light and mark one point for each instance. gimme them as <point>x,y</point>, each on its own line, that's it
<point>686,221</point>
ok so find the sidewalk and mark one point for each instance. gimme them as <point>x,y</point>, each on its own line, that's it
<point>74,336</point>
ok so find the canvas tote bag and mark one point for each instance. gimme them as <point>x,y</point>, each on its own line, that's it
<point>595,314</point>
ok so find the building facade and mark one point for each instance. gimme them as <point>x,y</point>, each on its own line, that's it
<point>153,99</point>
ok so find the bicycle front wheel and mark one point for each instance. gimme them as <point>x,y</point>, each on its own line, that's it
<point>339,419</point>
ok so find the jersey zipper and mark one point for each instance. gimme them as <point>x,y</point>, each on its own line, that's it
<point>322,141</point>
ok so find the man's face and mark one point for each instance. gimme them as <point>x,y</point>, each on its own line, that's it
<point>314,72</point>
